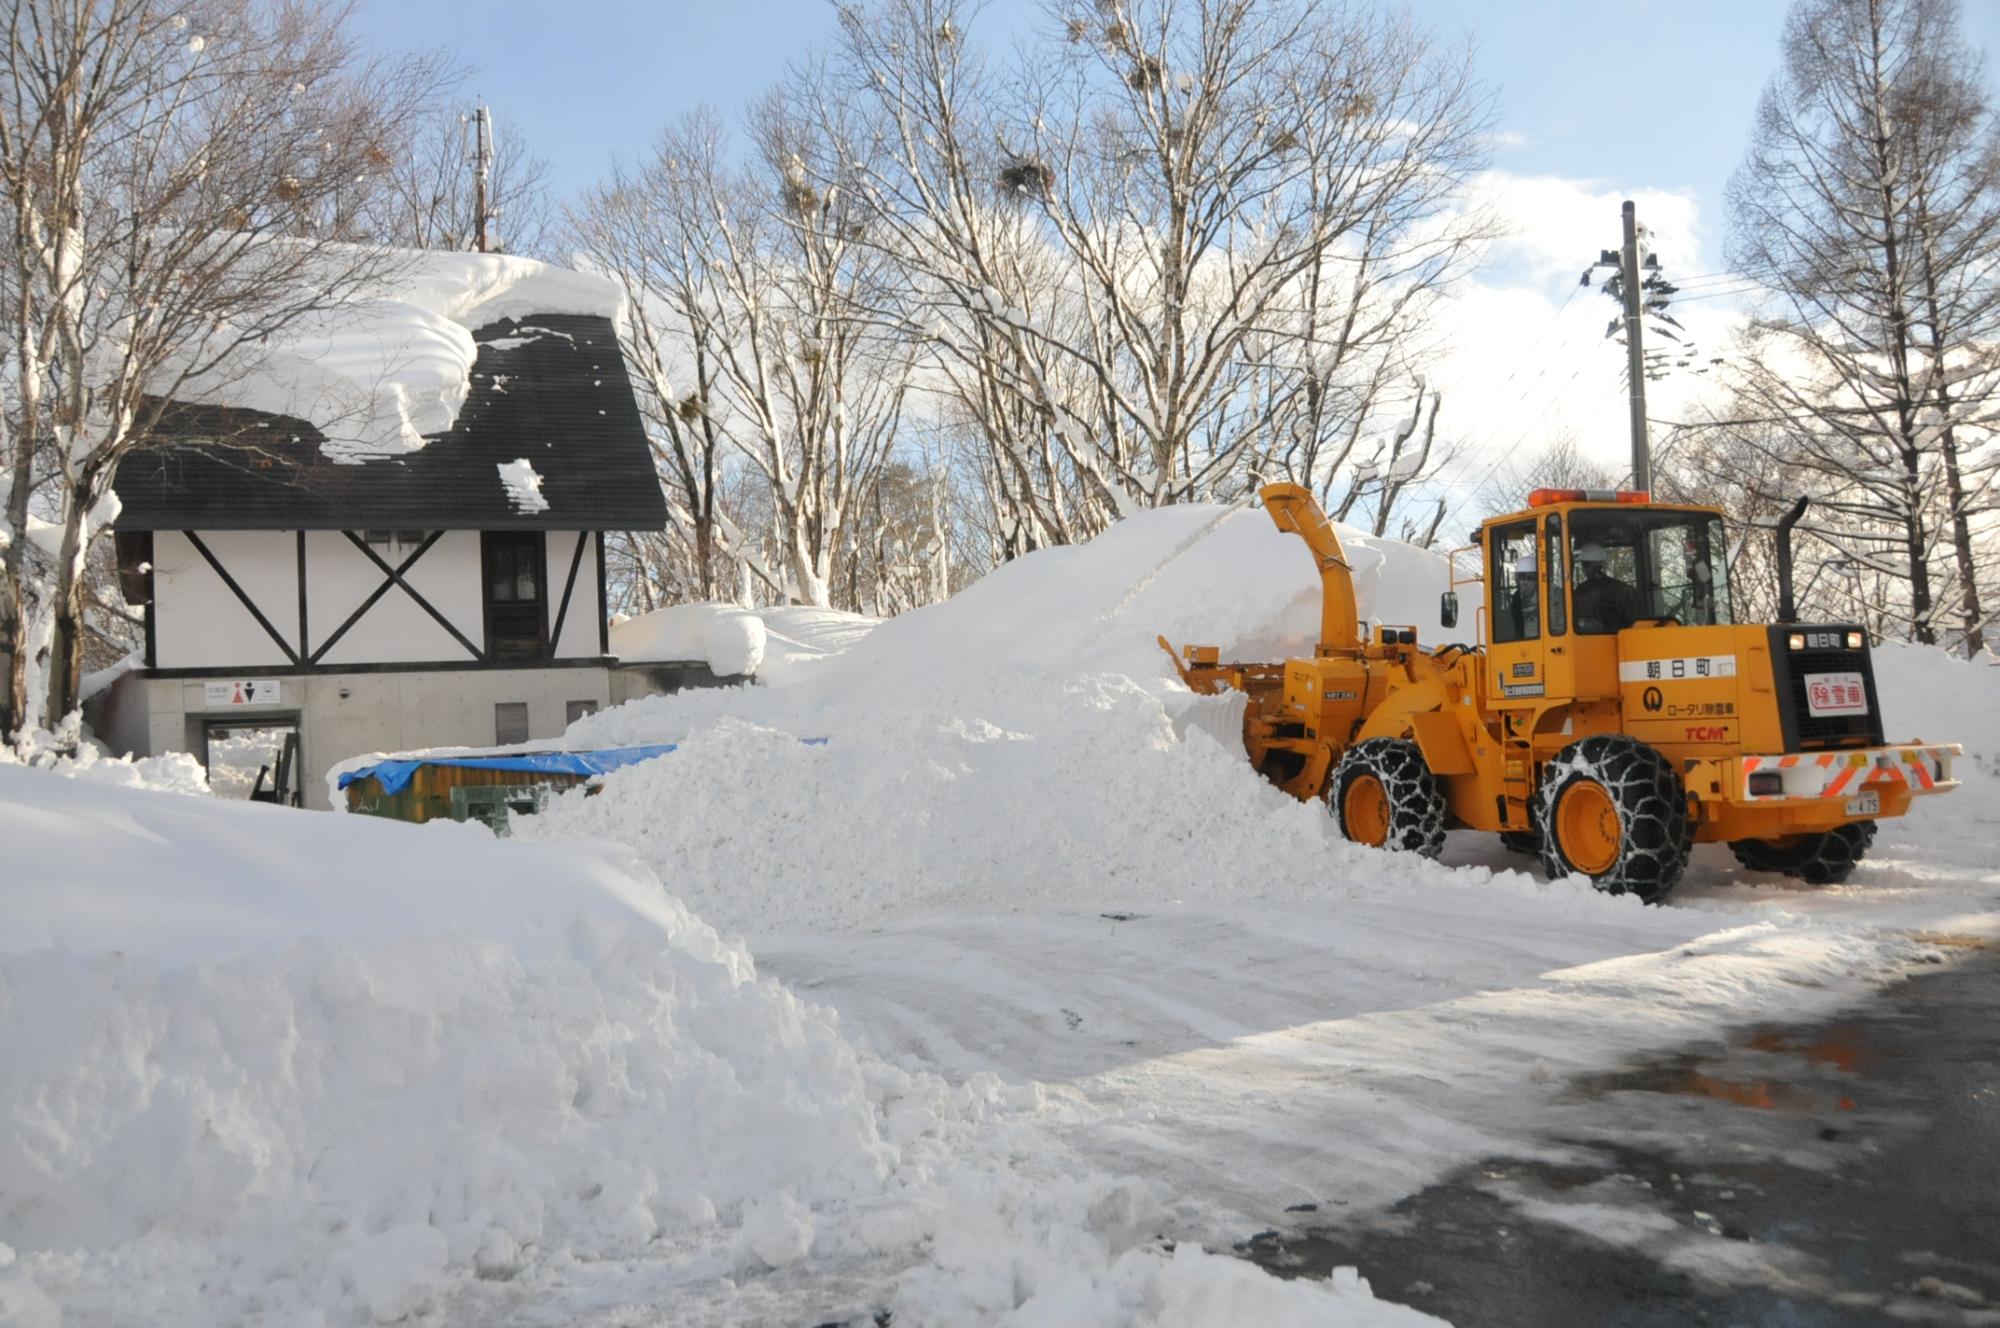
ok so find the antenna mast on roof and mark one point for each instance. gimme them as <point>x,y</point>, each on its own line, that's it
<point>482,170</point>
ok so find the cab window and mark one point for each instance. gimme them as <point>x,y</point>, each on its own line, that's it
<point>1517,601</point>
<point>1552,577</point>
<point>1647,566</point>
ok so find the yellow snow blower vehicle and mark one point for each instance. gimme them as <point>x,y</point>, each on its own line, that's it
<point>1609,713</point>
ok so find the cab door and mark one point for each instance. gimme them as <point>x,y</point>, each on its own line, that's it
<point>1516,656</point>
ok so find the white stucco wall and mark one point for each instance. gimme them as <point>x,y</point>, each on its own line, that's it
<point>201,624</point>
<point>579,630</point>
<point>395,630</point>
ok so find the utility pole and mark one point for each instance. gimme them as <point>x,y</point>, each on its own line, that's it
<point>1641,289</point>
<point>482,168</point>
<point>1635,354</point>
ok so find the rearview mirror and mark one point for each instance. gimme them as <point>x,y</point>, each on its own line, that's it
<point>1448,608</point>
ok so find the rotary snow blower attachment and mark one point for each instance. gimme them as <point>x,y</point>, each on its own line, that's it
<point>1608,713</point>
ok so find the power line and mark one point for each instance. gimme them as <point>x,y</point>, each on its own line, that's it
<point>1507,453</point>
<point>1720,294</point>
<point>1710,279</point>
<point>1555,320</point>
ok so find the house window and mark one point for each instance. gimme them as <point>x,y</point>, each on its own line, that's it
<point>135,565</point>
<point>510,723</point>
<point>575,710</point>
<point>517,616</point>
<point>399,539</point>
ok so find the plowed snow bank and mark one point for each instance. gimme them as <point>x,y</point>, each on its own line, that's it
<point>1024,742</point>
<point>270,1066</point>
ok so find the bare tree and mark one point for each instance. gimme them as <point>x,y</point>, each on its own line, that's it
<point>160,167</point>
<point>424,199</point>
<point>1192,243</point>
<point>1397,463</point>
<point>648,230</point>
<point>1868,206</point>
<point>1560,464</point>
<point>755,290</point>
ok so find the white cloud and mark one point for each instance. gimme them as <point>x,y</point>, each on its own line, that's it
<point>1525,353</point>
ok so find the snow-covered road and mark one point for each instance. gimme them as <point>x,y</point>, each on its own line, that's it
<point>1261,1055</point>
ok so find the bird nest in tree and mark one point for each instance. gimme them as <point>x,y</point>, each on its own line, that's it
<point>1147,74</point>
<point>800,198</point>
<point>1028,177</point>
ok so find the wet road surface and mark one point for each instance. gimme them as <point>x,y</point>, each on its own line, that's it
<point>1845,1172</point>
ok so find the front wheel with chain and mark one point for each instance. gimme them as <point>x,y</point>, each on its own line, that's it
<point>1613,809</point>
<point>1384,795</point>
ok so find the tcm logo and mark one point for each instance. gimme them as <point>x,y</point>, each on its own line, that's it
<point>1707,733</point>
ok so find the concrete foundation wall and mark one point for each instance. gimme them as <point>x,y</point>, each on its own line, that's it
<point>343,715</point>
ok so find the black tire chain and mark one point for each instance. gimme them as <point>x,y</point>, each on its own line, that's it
<point>1655,837</point>
<point>1416,802</point>
<point>1822,859</point>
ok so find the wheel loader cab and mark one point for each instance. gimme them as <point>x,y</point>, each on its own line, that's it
<point>1580,568</point>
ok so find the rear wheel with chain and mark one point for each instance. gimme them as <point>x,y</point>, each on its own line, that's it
<point>1818,859</point>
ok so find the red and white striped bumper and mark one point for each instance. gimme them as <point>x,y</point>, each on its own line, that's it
<point>1919,767</point>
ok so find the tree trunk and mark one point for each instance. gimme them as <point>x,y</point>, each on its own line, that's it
<point>66,644</point>
<point>1961,527</point>
<point>1961,541</point>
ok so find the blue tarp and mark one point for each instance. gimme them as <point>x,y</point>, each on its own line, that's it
<point>395,775</point>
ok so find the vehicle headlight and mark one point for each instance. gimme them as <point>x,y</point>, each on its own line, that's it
<point>1856,640</point>
<point>1797,640</point>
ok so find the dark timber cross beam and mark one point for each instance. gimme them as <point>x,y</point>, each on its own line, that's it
<point>395,579</point>
<point>291,655</point>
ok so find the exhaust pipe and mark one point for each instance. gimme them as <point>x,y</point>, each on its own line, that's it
<point>1787,608</point>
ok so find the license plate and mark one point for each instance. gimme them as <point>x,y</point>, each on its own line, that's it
<point>1836,694</point>
<point>1864,804</point>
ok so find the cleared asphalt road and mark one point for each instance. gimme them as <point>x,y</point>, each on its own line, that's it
<point>1845,1172</point>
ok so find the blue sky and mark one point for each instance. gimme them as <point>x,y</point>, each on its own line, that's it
<point>1598,100</point>
<point>1622,94</point>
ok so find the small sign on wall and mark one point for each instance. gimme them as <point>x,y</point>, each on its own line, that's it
<point>241,692</point>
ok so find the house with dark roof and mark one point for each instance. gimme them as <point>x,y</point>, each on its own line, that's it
<point>450,595</point>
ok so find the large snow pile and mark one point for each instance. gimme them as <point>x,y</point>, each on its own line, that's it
<point>1929,695</point>
<point>267,1066</point>
<point>1025,740</point>
<point>389,363</point>
<point>730,640</point>
<point>772,643</point>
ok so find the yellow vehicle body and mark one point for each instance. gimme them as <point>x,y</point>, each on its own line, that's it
<point>1734,710</point>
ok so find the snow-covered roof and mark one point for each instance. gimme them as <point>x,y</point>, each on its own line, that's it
<point>424,402</point>
<point>389,365</point>
<point>549,399</point>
